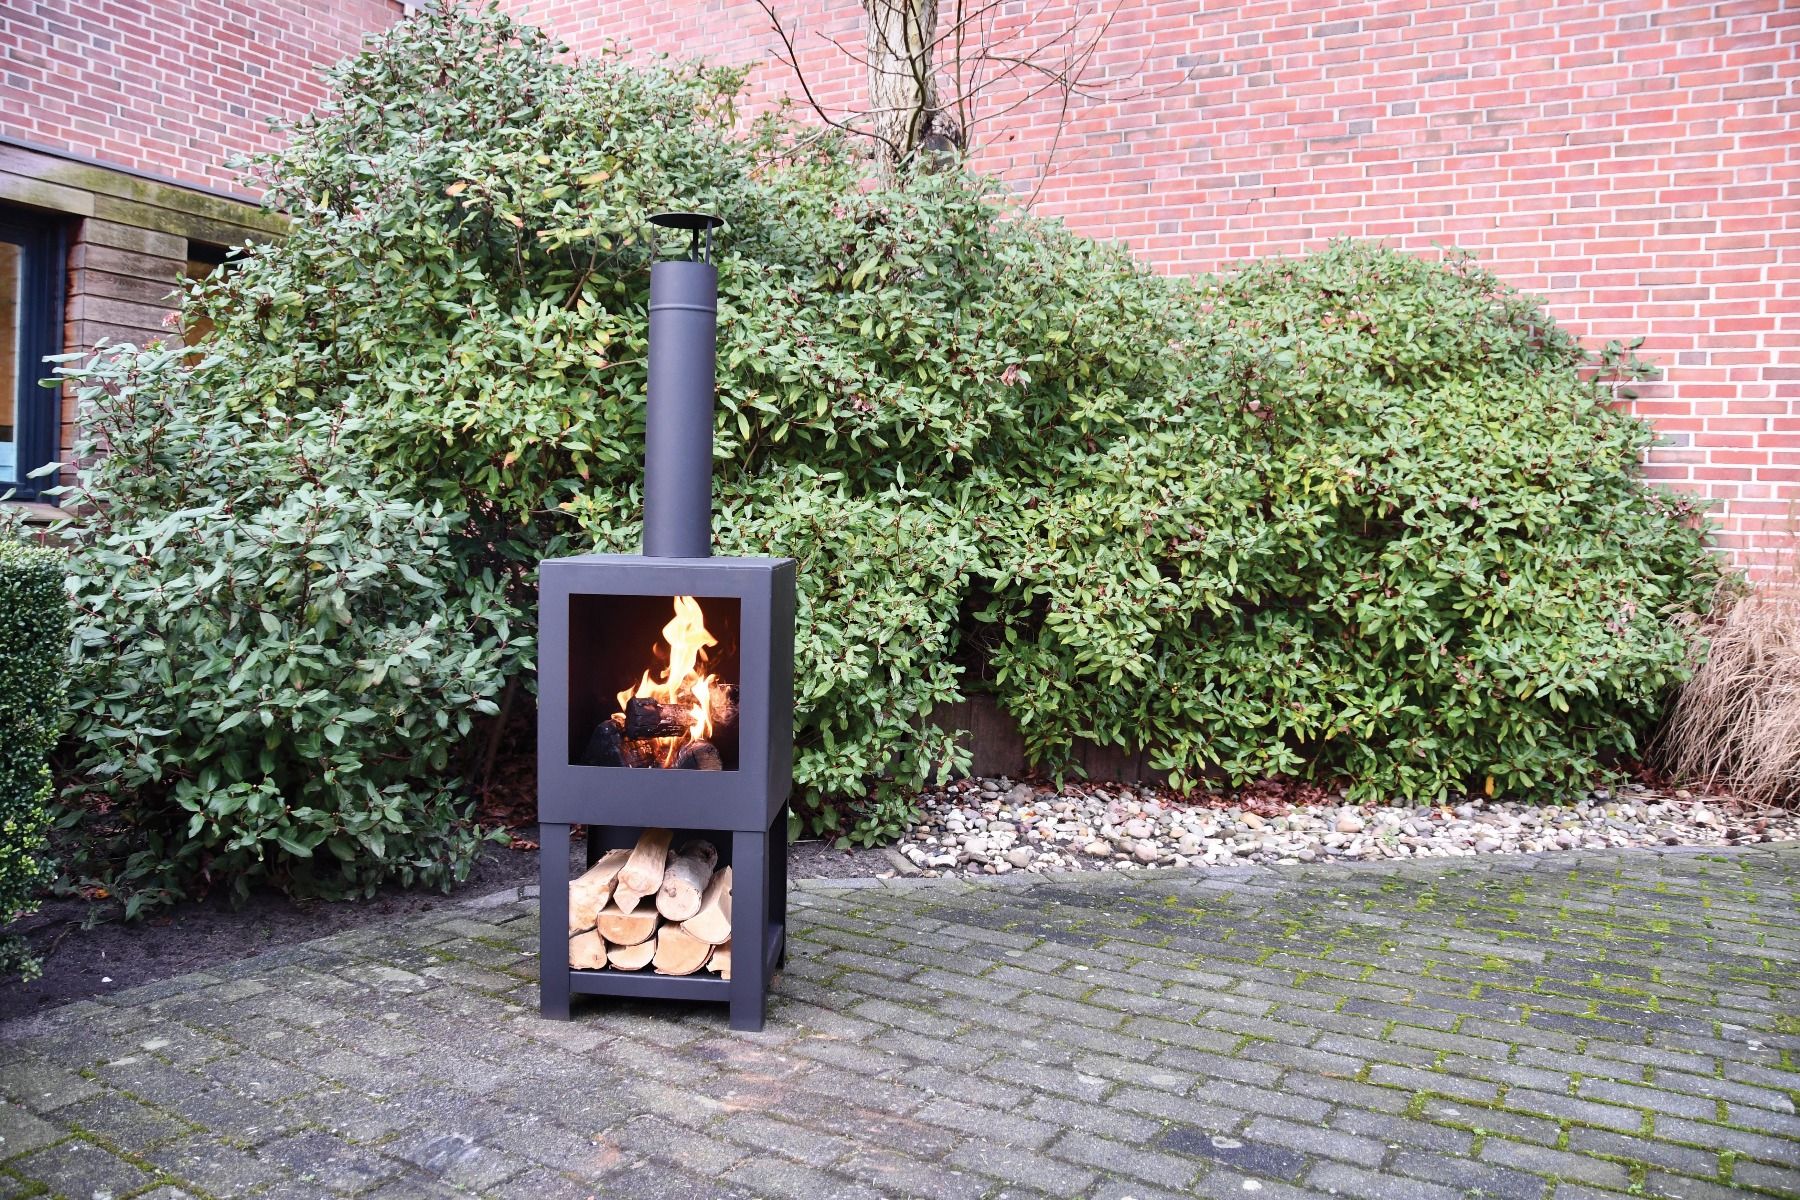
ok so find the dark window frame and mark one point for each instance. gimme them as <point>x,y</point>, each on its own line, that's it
<point>43,242</point>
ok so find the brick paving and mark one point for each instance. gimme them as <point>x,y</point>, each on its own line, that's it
<point>1521,1028</point>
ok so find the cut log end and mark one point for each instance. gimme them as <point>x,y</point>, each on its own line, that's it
<point>712,924</point>
<point>631,958</point>
<point>679,952</point>
<point>587,952</point>
<point>643,871</point>
<point>684,884</point>
<point>621,928</point>
<point>589,893</point>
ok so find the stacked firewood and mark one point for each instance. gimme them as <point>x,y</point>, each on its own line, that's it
<point>653,907</point>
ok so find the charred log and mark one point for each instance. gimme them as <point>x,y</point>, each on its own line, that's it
<point>724,705</point>
<point>640,752</point>
<point>604,748</point>
<point>647,718</point>
<point>650,718</point>
<point>699,756</point>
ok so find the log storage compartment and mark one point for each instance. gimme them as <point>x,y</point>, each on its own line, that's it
<point>665,716</point>
<point>655,917</point>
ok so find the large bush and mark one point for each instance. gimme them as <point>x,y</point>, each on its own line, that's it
<point>34,629</point>
<point>1395,531</point>
<point>1359,515</point>
<point>272,679</point>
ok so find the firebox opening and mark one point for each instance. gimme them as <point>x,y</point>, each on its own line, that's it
<point>653,682</point>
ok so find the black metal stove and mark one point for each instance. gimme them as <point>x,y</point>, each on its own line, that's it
<point>619,635</point>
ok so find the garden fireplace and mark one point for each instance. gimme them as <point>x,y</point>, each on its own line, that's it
<point>666,704</point>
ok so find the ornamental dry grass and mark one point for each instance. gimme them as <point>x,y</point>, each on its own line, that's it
<point>1735,726</point>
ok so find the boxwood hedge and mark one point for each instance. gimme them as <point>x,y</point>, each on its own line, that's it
<point>34,631</point>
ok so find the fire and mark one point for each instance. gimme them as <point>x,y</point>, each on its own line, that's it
<point>685,683</point>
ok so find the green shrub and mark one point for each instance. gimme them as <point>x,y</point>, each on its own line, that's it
<point>272,673</point>
<point>1359,515</point>
<point>1395,533</point>
<point>34,629</point>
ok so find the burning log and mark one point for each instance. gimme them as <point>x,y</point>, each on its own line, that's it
<point>621,928</point>
<point>639,752</point>
<point>712,924</point>
<point>649,718</point>
<point>604,747</point>
<point>679,952</point>
<point>609,746</point>
<point>631,958</point>
<point>685,880</point>
<point>699,756</point>
<point>719,961</point>
<point>588,894</point>
<point>643,871</point>
<point>724,705</point>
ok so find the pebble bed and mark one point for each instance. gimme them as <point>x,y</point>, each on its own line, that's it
<point>997,826</point>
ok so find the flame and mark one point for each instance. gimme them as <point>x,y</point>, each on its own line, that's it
<point>685,681</point>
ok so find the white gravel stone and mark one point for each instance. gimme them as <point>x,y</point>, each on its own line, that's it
<point>993,826</point>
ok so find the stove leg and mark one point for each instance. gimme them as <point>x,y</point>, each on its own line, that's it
<point>778,880</point>
<point>553,922</point>
<point>749,926</point>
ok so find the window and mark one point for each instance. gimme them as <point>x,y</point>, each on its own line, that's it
<point>31,263</point>
<point>202,260</point>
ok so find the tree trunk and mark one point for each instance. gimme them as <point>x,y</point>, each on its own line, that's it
<point>902,97</point>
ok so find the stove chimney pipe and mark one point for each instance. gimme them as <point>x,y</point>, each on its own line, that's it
<point>684,331</point>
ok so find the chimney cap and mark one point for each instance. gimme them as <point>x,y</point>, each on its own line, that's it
<point>687,220</point>
<point>696,224</point>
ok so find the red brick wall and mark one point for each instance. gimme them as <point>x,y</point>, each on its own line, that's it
<point>171,88</point>
<point>1635,162</point>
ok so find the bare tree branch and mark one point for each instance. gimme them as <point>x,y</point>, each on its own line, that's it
<point>919,104</point>
<point>792,62</point>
